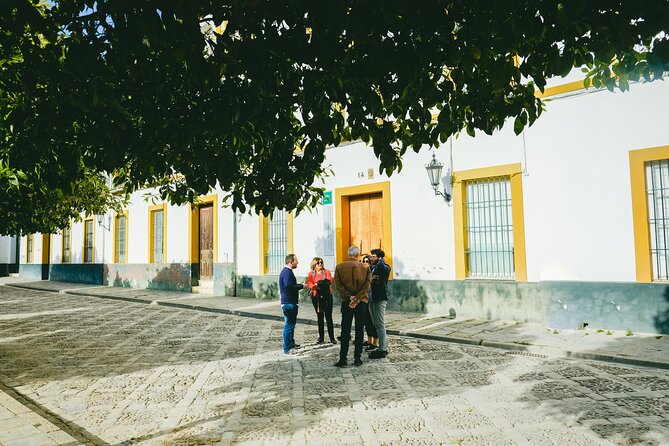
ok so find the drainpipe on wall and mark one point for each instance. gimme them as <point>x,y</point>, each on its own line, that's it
<point>234,253</point>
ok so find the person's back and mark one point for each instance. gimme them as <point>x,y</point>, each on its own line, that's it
<point>352,279</point>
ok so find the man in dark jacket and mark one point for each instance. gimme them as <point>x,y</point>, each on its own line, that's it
<point>289,296</point>
<point>352,280</point>
<point>377,305</point>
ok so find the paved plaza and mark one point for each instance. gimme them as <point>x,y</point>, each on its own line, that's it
<point>85,370</point>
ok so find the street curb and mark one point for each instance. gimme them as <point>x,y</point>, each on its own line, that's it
<point>530,349</point>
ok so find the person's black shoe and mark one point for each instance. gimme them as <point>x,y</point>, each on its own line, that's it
<point>371,348</point>
<point>378,354</point>
<point>320,341</point>
<point>333,341</point>
<point>365,344</point>
<point>341,363</point>
<point>357,362</point>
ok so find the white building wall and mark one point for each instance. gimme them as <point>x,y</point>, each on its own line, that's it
<point>6,249</point>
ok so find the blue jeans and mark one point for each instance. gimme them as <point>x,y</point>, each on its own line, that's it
<point>347,315</point>
<point>290,319</point>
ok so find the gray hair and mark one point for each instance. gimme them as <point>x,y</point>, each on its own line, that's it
<point>353,251</point>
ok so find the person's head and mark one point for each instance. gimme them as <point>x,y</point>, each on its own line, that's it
<point>353,251</point>
<point>377,254</point>
<point>367,260</point>
<point>291,261</point>
<point>317,264</point>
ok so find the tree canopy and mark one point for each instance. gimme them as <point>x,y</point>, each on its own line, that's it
<point>247,95</point>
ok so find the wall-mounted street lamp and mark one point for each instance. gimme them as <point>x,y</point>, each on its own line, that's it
<point>434,169</point>
<point>104,221</point>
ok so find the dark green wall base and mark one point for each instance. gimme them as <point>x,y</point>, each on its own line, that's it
<point>607,305</point>
<point>619,306</point>
<point>31,271</point>
<point>4,269</point>
<point>171,276</point>
<point>80,273</point>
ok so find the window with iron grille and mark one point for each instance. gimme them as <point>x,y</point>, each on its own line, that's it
<point>489,228</point>
<point>66,253</point>
<point>120,234</point>
<point>157,234</point>
<point>88,241</point>
<point>657,191</point>
<point>276,249</point>
<point>29,248</point>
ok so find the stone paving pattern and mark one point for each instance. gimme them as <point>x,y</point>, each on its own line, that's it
<point>115,372</point>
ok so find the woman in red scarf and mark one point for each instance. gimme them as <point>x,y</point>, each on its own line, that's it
<point>319,281</point>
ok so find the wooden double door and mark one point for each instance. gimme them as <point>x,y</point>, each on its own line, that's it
<point>366,222</point>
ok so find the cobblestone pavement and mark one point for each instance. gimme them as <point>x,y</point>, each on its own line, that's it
<point>111,372</point>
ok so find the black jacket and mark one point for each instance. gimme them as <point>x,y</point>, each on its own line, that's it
<point>380,285</point>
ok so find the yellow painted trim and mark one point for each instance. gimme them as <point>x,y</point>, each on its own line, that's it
<point>157,207</point>
<point>514,171</point>
<point>459,227</point>
<point>560,89</point>
<point>62,244</point>
<point>46,249</point>
<point>194,225</point>
<point>263,239</point>
<point>127,220</point>
<point>262,243</point>
<point>30,253</point>
<point>83,251</point>
<point>638,160</point>
<point>342,217</point>
<point>290,243</point>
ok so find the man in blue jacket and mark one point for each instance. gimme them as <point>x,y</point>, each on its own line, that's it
<point>289,296</point>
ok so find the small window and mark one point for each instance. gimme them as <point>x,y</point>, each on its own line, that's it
<point>29,248</point>
<point>88,241</point>
<point>276,243</point>
<point>120,238</point>
<point>66,255</point>
<point>157,249</point>
<point>657,192</point>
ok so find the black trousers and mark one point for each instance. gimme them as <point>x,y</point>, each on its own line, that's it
<point>324,313</point>
<point>347,315</point>
<point>369,325</point>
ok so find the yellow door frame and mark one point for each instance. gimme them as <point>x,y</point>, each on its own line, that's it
<point>342,211</point>
<point>194,228</point>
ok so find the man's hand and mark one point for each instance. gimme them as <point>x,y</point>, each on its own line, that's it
<point>352,303</point>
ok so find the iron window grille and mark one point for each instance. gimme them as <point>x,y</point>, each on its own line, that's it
<point>657,190</point>
<point>119,239</point>
<point>158,236</point>
<point>88,241</point>
<point>66,245</point>
<point>277,241</point>
<point>489,228</point>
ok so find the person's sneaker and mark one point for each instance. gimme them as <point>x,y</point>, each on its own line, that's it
<point>291,352</point>
<point>332,341</point>
<point>357,362</point>
<point>371,348</point>
<point>365,344</point>
<point>378,354</point>
<point>296,346</point>
<point>320,341</point>
<point>341,363</point>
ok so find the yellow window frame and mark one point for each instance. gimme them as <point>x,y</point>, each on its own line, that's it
<point>116,231</point>
<point>152,209</point>
<point>514,172</point>
<point>69,244</point>
<point>264,239</point>
<point>30,248</point>
<point>638,159</point>
<point>83,251</point>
